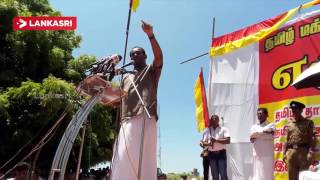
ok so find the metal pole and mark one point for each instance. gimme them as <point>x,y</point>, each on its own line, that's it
<point>127,34</point>
<point>119,110</point>
<point>213,27</point>
<point>125,55</point>
<point>140,98</point>
<point>34,163</point>
<point>191,59</point>
<point>194,58</point>
<point>81,149</point>
<point>141,147</point>
<point>159,133</point>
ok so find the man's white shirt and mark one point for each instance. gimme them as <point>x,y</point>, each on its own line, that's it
<point>217,133</point>
<point>263,151</point>
<point>263,143</point>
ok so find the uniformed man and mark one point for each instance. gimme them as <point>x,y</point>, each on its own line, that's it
<point>299,141</point>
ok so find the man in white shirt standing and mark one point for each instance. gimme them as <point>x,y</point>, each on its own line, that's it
<point>216,137</point>
<point>263,151</point>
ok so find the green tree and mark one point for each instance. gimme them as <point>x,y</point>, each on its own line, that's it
<point>178,176</point>
<point>32,54</point>
<point>30,110</point>
<point>76,68</point>
<point>37,83</point>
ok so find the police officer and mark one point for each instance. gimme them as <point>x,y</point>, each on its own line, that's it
<point>299,141</point>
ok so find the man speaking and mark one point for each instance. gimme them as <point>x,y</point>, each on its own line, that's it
<point>134,118</point>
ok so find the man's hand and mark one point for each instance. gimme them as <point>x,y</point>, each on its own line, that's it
<point>147,28</point>
<point>202,144</point>
<point>157,52</point>
<point>205,144</point>
<point>312,168</point>
<point>212,140</point>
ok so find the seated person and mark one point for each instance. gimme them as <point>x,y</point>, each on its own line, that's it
<point>313,173</point>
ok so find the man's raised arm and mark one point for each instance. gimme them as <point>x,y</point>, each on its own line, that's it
<point>157,52</point>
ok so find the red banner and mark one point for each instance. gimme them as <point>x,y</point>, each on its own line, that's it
<point>283,56</point>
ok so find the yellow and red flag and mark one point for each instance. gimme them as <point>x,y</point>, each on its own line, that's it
<point>134,5</point>
<point>201,103</point>
<point>254,33</point>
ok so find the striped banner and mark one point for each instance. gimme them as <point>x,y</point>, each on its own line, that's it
<point>251,34</point>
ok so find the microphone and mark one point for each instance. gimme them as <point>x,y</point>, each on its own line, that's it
<point>115,58</point>
<point>105,65</point>
<point>122,69</point>
<point>128,64</point>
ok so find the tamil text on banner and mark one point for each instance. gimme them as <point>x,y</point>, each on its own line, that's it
<point>259,73</point>
<point>283,55</point>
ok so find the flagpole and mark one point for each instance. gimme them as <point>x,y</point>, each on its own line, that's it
<point>196,57</point>
<point>124,57</point>
<point>118,115</point>
<point>210,74</point>
<point>145,109</point>
<point>127,34</point>
<point>213,27</point>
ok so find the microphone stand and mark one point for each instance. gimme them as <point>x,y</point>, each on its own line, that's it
<point>143,126</point>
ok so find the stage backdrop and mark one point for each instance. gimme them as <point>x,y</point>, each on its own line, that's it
<point>259,74</point>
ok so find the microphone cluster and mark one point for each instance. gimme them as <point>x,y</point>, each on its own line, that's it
<point>106,67</point>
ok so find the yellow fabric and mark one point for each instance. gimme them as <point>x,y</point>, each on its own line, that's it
<point>199,105</point>
<point>231,46</point>
<point>135,4</point>
<point>309,4</point>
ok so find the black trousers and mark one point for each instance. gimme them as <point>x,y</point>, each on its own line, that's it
<point>205,163</point>
<point>218,164</point>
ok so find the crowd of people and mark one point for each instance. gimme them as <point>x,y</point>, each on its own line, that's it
<point>99,174</point>
<point>298,152</point>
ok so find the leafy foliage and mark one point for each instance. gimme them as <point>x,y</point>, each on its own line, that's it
<point>37,83</point>
<point>30,110</point>
<point>76,68</point>
<point>178,176</point>
<point>32,54</point>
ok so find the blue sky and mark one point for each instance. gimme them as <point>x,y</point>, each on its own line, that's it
<point>183,29</point>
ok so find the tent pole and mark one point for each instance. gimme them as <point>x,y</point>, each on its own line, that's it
<point>191,59</point>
